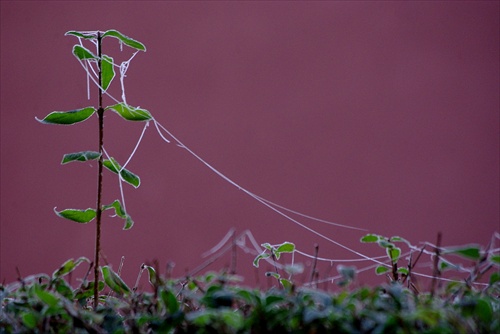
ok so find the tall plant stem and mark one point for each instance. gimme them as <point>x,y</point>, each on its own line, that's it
<point>100,114</point>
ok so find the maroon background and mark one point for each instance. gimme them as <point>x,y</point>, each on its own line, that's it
<point>380,115</point>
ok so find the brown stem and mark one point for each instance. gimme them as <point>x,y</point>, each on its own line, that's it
<point>313,270</point>
<point>233,255</point>
<point>100,114</point>
<point>436,272</point>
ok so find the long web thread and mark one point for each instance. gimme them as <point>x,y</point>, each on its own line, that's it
<point>279,209</point>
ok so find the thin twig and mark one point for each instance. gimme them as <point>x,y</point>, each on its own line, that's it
<point>315,261</point>
<point>436,273</point>
<point>233,254</point>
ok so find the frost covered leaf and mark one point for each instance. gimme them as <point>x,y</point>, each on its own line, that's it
<point>45,296</point>
<point>380,270</point>
<point>107,71</point>
<point>267,246</point>
<point>393,253</point>
<point>260,257</point>
<point>118,208</point>
<point>82,53</point>
<point>370,238</point>
<point>79,216</point>
<point>444,265</point>
<point>403,271</point>
<point>128,223</point>
<point>347,272</point>
<point>114,281</point>
<point>468,251</point>
<point>29,319</point>
<point>293,269</point>
<point>400,239</point>
<point>286,283</point>
<point>273,274</point>
<point>68,267</point>
<point>495,259</point>
<point>68,117</point>
<point>80,34</point>
<point>286,247</point>
<point>120,212</point>
<point>385,244</point>
<point>126,175</point>
<point>130,113</point>
<point>152,274</point>
<point>494,278</point>
<point>125,39</point>
<point>169,300</point>
<point>80,156</point>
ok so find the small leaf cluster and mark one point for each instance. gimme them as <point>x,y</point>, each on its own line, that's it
<point>483,259</point>
<point>392,250</point>
<point>217,303</point>
<point>274,252</point>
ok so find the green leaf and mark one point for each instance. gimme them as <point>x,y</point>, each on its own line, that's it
<point>128,223</point>
<point>400,239</point>
<point>385,244</point>
<point>296,268</point>
<point>393,253</point>
<point>82,53</point>
<point>114,281</point>
<point>125,39</point>
<point>286,247</point>
<point>107,71</point>
<point>46,297</point>
<point>495,259</point>
<point>443,265</point>
<point>80,156</point>
<point>120,212</point>
<point>233,319</point>
<point>68,117</point>
<point>79,216</point>
<point>260,257</point>
<point>273,274</point>
<point>495,277</point>
<point>286,283</point>
<point>87,290</point>
<point>80,34</point>
<point>380,270</point>
<point>403,271</point>
<point>29,320</point>
<point>68,267</point>
<point>267,246</point>
<point>130,113</point>
<point>152,274</point>
<point>170,301</point>
<point>370,238</point>
<point>347,272</point>
<point>466,251</point>
<point>125,174</point>
<point>483,311</point>
<point>118,208</point>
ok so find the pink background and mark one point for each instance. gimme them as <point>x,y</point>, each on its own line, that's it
<point>379,115</point>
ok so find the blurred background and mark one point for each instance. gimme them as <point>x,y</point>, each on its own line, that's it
<point>378,115</point>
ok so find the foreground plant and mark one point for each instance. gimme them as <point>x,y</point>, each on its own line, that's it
<point>103,67</point>
<point>216,303</point>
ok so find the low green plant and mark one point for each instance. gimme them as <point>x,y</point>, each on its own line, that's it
<point>274,252</point>
<point>105,68</point>
<point>483,259</point>
<point>217,303</point>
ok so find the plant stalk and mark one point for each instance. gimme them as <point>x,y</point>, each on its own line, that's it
<point>100,114</point>
<point>436,272</point>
